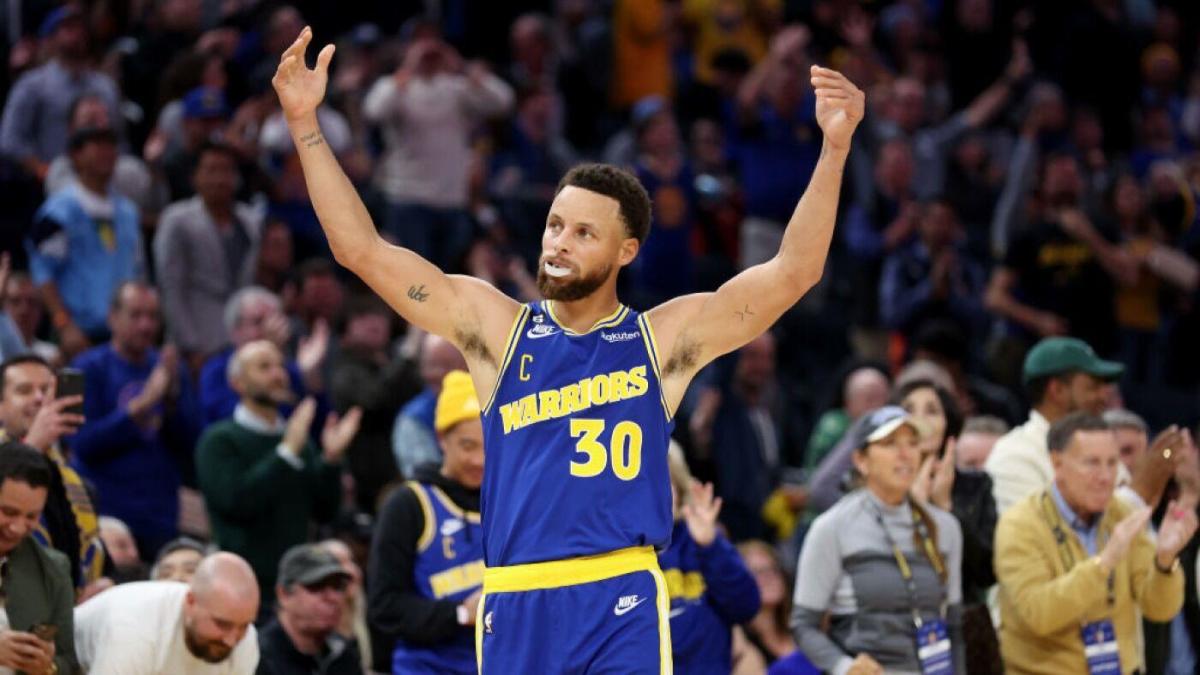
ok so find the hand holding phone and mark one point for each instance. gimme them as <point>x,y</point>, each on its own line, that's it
<point>70,383</point>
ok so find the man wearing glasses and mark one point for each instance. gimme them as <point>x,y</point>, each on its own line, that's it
<point>302,638</point>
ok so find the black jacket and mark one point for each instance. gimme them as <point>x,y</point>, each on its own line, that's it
<point>394,609</point>
<point>278,656</point>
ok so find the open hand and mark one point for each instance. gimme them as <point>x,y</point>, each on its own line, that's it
<point>300,88</point>
<point>338,433</point>
<point>700,512</point>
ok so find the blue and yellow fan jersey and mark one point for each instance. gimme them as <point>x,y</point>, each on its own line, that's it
<point>576,438</point>
<point>449,566</point>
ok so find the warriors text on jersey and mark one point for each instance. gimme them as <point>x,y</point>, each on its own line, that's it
<point>576,435</point>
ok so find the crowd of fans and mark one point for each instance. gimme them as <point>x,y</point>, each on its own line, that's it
<point>1002,348</point>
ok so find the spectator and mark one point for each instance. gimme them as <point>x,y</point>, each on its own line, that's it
<point>423,596</point>
<point>36,117</point>
<point>877,561</point>
<point>122,549</point>
<point>142,420</point>
<point>276,258</point>
<point>906,116</point>
<point>205,248</point>
<point>131,178</point>
<point>319,297</point>
<point>641,34</point>
<point>979,436</point>
<point>747,440</point>
<point>710,589</point>
<point>85,242</point>
<point>946,344</point>
<point>205,626</point>
<point>743,26</point>
<point>864,388</point>
<point>178,560</point>
<point>1058,276</point>
<point>1055,548</point>
<point>880,223</point>
<point>413,435</point>
<point>1132,434</point>
<point>526,168</point>
<point>427,109</point>
<point>768,632</point>
<point>933,278</point>
<point>254,313</point>
<point>37,584</point>
<point>310,592</point>
<point>775,142</point>
<point>364,374</point>
<point>967,496</point>
<point>29,412</point>
<point>665,266</point>
<point>204,114</point>
<point>1062,376</point>
<point>354,608</point>
<point>24,307</point>
<point>264,480</point>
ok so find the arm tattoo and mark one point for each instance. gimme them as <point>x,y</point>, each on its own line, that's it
<point>418,293</point>
<point>312,140</point>
<point>744,313</point>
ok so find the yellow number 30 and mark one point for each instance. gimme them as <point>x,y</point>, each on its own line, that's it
<point>625,444</point>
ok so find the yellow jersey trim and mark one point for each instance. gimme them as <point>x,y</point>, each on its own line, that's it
<point>666,664</point>
<point>470,516</point>
<point>510,346</point>
<point>652,350</point>
<point>607,322</point>
<point>426,537</point>
<point>571,571</point>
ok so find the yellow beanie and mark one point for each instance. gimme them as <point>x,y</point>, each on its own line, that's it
<point>457,402</point>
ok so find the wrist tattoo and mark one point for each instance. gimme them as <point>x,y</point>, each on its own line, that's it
<point>312,140</point>
<point>418,293</point>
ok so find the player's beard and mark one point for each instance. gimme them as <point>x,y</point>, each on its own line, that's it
<point>568,291</point>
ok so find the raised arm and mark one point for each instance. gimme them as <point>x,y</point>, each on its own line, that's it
<point>695,329</point>
<point>470,313</point>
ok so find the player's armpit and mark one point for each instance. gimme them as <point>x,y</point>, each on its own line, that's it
<point>693,330</point>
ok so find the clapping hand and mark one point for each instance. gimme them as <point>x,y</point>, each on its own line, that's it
<point>700,513</point>
<point>1176,530</point>
<point>338,433</point>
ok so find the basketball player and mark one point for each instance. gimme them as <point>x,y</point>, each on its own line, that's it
<point>578,390</point>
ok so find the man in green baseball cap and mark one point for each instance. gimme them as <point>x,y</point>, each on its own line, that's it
<point>1061,375</point>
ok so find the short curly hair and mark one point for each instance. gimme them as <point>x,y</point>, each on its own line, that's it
<point>619,184</point>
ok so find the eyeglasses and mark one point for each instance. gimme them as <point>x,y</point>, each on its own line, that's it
<point>338,584</point>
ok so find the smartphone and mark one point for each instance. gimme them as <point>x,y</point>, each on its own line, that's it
<point>70,383</point>
<point>45,631</point>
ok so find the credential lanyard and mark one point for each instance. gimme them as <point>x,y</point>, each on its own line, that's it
<point>931,552</point>
<point>1054,520</point>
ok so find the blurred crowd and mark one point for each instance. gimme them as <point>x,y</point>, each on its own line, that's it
<point>1026,174</point>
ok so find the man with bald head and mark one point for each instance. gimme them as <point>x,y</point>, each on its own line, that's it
<point>152,627</point>
<point>263,478</point>
<point>413,438</point>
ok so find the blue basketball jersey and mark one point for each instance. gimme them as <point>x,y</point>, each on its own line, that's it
<point>449,566</point>
<point>576,436</point>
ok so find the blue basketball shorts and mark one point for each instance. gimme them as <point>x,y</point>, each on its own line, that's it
<point>606,613</point>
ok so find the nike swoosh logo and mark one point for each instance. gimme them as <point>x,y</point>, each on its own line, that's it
<point>534,336</point>
<point>676,612</point>
<point>621,611</point>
